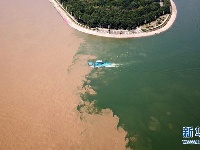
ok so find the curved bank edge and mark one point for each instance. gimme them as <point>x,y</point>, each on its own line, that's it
<point>69,20</point>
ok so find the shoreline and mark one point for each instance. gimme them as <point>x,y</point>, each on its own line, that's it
<point>74,24</point>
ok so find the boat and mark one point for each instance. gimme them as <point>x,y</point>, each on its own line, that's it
<point>100,64</point>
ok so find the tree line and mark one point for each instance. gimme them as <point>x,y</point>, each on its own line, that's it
<point>116,14</point>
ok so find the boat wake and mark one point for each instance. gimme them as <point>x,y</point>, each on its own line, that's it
<point>112,65</point>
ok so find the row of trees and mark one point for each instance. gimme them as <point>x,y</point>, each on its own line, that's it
<point>116,14</point>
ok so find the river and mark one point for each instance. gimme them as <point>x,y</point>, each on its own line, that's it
<point>155,90</point>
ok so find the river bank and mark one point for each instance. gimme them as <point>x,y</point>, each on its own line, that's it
<point>115,33</point>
